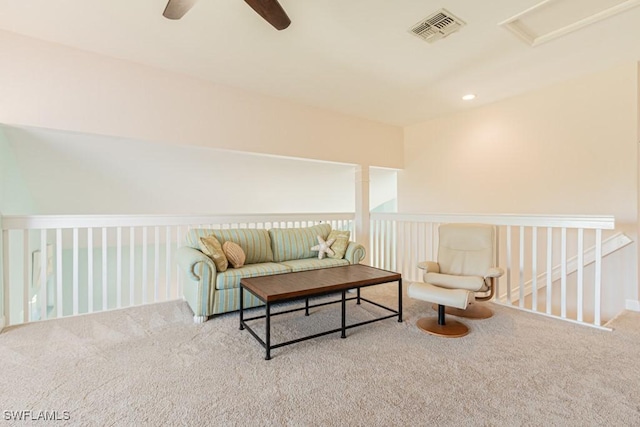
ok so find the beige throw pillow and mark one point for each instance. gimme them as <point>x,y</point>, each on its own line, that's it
<point>210,246</point>
<point>234,254</point>
<point>341,242</point>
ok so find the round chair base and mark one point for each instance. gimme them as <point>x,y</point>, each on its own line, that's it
<point>452,329</point>
<point>473,311</point>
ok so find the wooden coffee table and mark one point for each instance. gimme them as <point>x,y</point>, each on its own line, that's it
<point>305,284</point>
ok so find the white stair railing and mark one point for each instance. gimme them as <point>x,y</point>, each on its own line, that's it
<point>553,263</point>
<point>94,263</point>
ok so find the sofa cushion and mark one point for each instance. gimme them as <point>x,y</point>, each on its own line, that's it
<point>255,243</point>
<point>313,263</point>
<point>295,243</point>
<point>470,283</point>
<point>231,278</point>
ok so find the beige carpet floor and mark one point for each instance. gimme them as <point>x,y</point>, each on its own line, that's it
<point>152,366</point>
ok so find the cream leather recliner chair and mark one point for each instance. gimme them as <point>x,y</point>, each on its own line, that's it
<point>465,272</point>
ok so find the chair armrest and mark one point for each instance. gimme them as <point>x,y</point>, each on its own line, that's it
<point>355,253</point>
<point>429,266</point>
<point>494,272</point>
<point>188,258</point>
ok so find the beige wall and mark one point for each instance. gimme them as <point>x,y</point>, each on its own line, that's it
<point>51,86</point>
<point>567,149</point>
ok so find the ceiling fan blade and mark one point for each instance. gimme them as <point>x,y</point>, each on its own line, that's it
<point>176,9</point>
<point>271,11</point>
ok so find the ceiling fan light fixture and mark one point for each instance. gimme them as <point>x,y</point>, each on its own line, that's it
<point>469,97</point>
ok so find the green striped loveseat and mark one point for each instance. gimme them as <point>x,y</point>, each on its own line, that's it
<point>275,251</point>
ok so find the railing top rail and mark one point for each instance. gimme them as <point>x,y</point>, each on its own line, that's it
<point>25,222</point>
<point>605,222</point>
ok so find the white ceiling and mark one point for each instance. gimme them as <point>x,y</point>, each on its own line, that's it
<point>351,56</point>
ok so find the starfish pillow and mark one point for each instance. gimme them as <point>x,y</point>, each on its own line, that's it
<point>323,247</point>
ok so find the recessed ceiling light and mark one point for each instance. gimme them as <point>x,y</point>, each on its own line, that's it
<point>469,97</point>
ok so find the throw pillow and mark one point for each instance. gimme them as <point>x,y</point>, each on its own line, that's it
<point>340,244</point>
<point>234,254</point>
<point>323,247</point>
<point>210,246</point>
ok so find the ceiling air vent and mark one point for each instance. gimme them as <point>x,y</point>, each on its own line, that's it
<point>436,26</point>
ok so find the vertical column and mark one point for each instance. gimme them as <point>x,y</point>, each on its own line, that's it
<point>362,208</point>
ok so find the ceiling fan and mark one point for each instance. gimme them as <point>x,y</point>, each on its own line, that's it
<point>270,10</point>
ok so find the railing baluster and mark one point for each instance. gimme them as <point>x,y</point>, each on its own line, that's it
<point>598,278</point>
<point>497,262</point>
<point>132,266</point>
<point>534,268</point>
<point>90,281</point>
<point>377,245</point>
<point>119,267</point>
<point>388,249</point>
<point>549,268</point>
<point>167,262</point>
<point>43,274</point>
<point>521,272</point>
<point>156,264</point>
<point>144,265</point>
<point>26,271</point>
<point>509,256</point>
<point>179,276</point>
<point>422,244</point>
<point>6,259</point>
<point>59,296</point>
<point>406,242</point>
<point>75,295</point>
<point>434,243</point>
<point>394,247</point>
<point>385,245</point>
<point>580,275</point>
<point>105,302</point>
<point>413,262</point>
<point>563,274</point>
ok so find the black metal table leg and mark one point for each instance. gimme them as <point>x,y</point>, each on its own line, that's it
<point>400,300</point>
<point>268,333</point>
<point>306,306</point>
<point>344,314</point>
<point>358,299</point>
<point>241,308</point>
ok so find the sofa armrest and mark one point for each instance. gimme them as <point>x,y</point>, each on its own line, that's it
<point>189,258</point>
<point>199,291</point>
<point>355,253</point>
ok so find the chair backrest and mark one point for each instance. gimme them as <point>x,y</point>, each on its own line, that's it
<point>466,249</point>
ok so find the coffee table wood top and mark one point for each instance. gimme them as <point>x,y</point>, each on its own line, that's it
<point>279,287</point>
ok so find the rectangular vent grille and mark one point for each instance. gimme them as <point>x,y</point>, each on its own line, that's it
<point>436,26</point>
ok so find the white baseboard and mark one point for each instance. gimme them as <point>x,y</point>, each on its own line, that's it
<point>632,305</point>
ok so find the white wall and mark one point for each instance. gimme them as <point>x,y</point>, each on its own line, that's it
<point>566,149</point>
<point>14,195</point>
<point>383,190</point>
<point>75,173</point>
<point>52,86</point>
